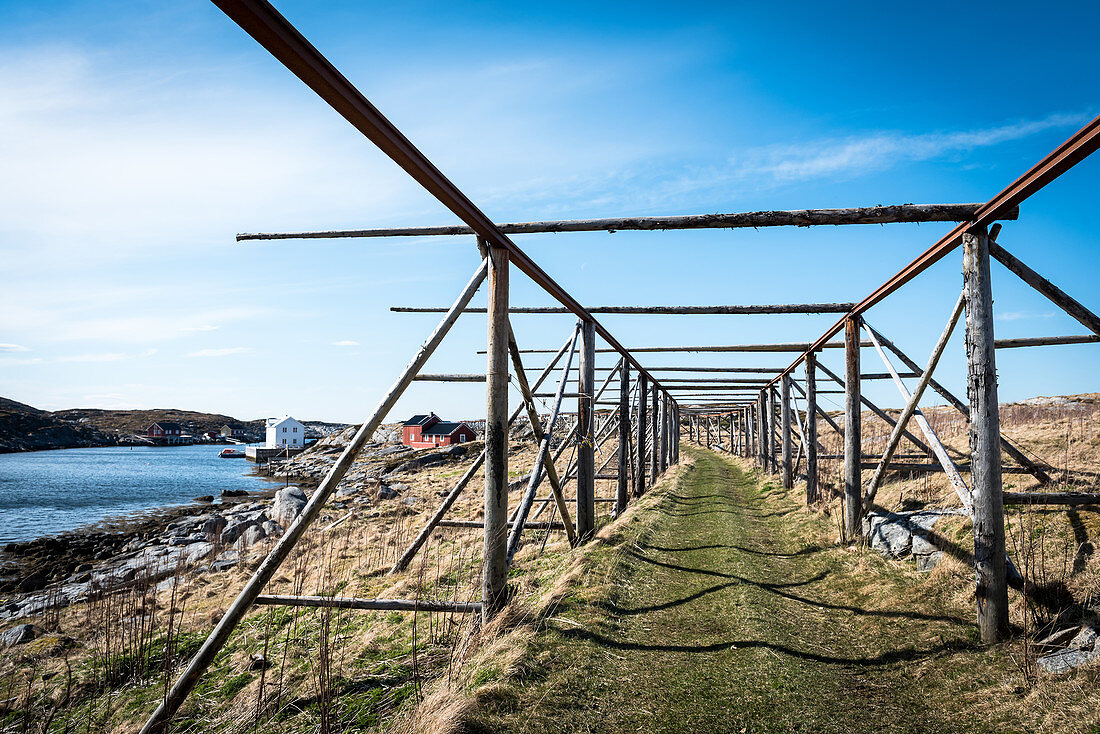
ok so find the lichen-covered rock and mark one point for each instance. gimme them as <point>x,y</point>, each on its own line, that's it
<point>288,504</point>
<point>20,634</point>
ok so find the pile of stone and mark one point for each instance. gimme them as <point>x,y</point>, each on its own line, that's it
<point>1073,648</point>
<point>904,535</point>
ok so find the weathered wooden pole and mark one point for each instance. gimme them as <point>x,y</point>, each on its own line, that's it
<point>622,491</point>
<point>494,578</point>
<point>785,423</point>
<point>640,435</point>
<point>811,428</point>
<point>586,445</point>
<point>662,434</point>
<point>853,484</point>
<point>745,440</point>
<point>655,419</point>
<point>762,431</point>
<point>985,444</point>
<point>773,464</point>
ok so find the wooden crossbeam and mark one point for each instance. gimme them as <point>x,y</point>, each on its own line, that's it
<point>382,605</point>
<point>796,218</point>
<point>779,308</point>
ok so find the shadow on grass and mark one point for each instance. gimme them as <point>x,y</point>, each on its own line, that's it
<point>904,654</point>
<point>779,590</point>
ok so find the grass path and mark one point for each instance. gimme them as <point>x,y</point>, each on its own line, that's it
<point>722,617</point>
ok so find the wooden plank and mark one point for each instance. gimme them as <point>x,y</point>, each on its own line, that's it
<point>449,378</point>
<point>1044,341</point>
<point>1017,455</point>
<point>911,405</point>
<point>796,218</point>
<point>985,445</point>
<point>495,566</point>
<point>481,524</point>
<point>785,422</point>
<point>812,490</point>
<point>853,483</point>
<point>1054,294</point>
<point>1051,498</point>
<point>586,456</point>
<point>953,475</point>
<point>380,605</point>
<point>622,489</point>
<point>543,436</point>
<point>782,308</point>
<point>778,347</point>
<point>878,411</point>
<point>654,419</point>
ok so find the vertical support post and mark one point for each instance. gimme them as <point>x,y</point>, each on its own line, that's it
<point>621,490</point>
<point>761,431</point>
<point>719,430</point>
<point>494,575</point>
<point>811,428</point>
<point>655,418</point>
<point>676,433</point>
<point>853,478</point>
<point>785,422</point>
<point>985,444</point>
<point>586,448</point>
<point>743,414</point>
<point>662,436</point>
<point>639,444</point>
<point>770,404</point>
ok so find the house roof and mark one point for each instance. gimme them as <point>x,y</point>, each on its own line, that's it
<point>167,426</point>
<point>284,419</point>
<point>443,428</point>
<point>420,419</point>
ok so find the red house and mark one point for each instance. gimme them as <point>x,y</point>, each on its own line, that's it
<point>425,431</point>
<point>166,433</point>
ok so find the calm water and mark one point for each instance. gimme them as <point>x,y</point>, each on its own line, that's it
<point>47,492</point>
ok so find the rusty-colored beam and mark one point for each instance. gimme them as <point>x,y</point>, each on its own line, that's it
<point>1079,146</point>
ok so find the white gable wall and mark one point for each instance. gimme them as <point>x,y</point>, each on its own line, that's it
<point>285,431</point>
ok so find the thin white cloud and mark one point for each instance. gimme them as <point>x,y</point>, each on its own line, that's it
<point>204,327</point>
<point>13,348</point>
<point>345,343</point>
<point>1018,315</point>
<point>18,362</point>
<point>107,356</point>
<point>879,150</point>
<point>219,352</point>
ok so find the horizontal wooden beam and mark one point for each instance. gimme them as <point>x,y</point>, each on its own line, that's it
<point>787,308</point>
<point>780,347</point>
<point>449,378</point>
<point>382,605</point>
<point>1051,498</point>
<point>796,218</point>
<point>480,524</point>
<point>1045,341</point>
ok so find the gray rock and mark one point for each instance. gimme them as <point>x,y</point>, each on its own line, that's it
<point>1064,661</point>
<point>213,526</point>
<point>250,537</point>
<point>399,486</point>
<point>410,501</point>
<point>272,528</point>
<point>20,634</point>
<point>288,504</point>
<point>234,530</point>
<point>929,561</point>
<point>387,492</point>
<point>1085,640</point>
<point>195,552</point>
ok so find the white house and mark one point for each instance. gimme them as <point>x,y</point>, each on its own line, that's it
<point>285,431</point>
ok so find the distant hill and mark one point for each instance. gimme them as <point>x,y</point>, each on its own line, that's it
<point>137,421</point>
<point>26,428</point>
<point>23,428</point>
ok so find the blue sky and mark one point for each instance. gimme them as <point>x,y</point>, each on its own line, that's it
<point>137,138</point>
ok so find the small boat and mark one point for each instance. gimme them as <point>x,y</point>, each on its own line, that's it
<point>231,454</point>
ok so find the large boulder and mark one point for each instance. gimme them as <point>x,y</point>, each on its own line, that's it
<point>288,504</point>
<point>20,634</point>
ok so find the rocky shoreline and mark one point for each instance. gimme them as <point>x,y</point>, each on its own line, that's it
<point>56,571</point>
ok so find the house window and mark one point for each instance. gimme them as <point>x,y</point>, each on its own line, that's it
<point>295,429</point>
<point>284,429</point>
